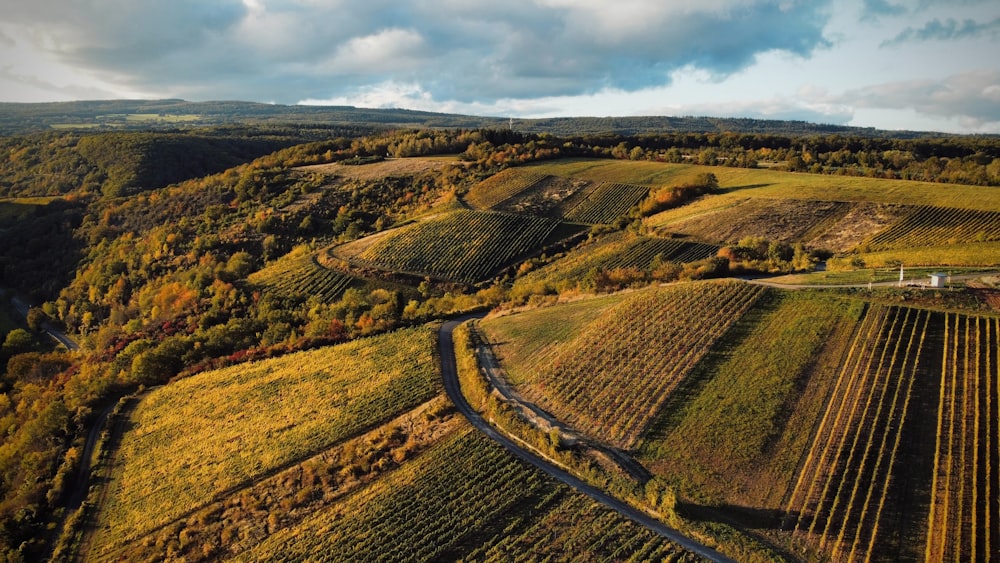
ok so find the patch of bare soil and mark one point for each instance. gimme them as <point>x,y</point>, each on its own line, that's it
<point>545,197</point>
<point>785,220</point>
<point>861,221</point>
<point>985,293</point>
<point>382,169</point>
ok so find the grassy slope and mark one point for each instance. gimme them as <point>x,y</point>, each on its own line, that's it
<point>735,431</point>
<point>207,434</point>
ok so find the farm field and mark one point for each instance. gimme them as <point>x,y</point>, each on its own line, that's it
<point>195,439</point>
<point>739,183</point>
<point>521,190</point>
<point>836,427</point>
<point>382,169</point>
<point>888,220</point>
<point>466,246</point>
<point>732,433</point>
<point>301,277</point>
<point>500,187</point>
<point>456,502</point>
<point>611,377</point>
<point>614,251</point>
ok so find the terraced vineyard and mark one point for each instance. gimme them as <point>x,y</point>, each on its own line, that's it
<point>196,439</point>
<point>302,277</point>
<point>501,186</point>
<point>964,522</point>
<point>467,246</point>
<point>460,497</point>
<point>604,204</point>
<point>839,499</point>
<point>931,226</point>
<point>611,379</point>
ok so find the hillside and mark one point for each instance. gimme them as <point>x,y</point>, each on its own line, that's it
<point>807,421</point>
<point>261,324</point>
<point>353,438</point>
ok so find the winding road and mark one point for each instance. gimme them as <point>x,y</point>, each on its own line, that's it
<point>22,309</point>
<point>450,375</point>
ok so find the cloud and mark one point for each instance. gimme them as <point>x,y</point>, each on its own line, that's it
<point>972,98</point>
<point>949,29</point>
<point>464,51</point>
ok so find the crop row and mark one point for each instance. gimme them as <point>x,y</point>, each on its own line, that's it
<point>644,251</point>
<point>612,378</point>
<point>581,527</point>
<point>606,203</point>
<point>840,495</point>
<point>303,277</point>
<point>965,513</point>
<point>466,246</point>
<point>465,499</point>
<point>933,226</point>
<point>196,438</point>
<point>426,510</point>
<point>500,187</point>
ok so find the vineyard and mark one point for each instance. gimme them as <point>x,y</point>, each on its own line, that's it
<point>646,250</point>
<point>604,204</point>
<point>616,250</point>
<point>196,438</point>
<point>613,376</point>
<point>500,187</point>
<point>456,498</point>
<point>933,226</point>
<point>839,499</point>
<point>301,277</point>
<point>467,246</point>
<point>783,220</point>
<point>965,513</point>
<point>735,429</point>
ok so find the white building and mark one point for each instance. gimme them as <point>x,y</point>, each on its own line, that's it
<point>938,279</point>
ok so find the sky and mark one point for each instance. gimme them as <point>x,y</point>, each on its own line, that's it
<point>892,64</point>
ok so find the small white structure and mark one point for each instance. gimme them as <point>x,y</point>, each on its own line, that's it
<point>938,279</point>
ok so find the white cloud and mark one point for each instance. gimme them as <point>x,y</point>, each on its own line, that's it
<point>389,50</point>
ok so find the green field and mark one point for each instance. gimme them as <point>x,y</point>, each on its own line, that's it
<point>195,439</point>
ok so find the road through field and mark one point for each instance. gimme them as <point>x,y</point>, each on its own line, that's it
<point>450,375</point>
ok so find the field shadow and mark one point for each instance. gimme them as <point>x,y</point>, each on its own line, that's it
<point>754,522</point>
<point>728,189</point>
<point>744,517</point>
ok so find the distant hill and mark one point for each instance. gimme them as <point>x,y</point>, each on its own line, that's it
<point>172,114</point>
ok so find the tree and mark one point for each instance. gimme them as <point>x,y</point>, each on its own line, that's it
<point>36,317</point>
<point>17,342</point>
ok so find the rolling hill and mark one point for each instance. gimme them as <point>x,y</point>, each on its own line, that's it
<point>262,328</point>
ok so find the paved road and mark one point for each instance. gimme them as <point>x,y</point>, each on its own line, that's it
<point>451,385</point>
<point>22,309</point>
